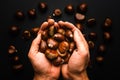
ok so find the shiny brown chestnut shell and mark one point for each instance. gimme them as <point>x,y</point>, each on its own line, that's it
<point>43,46</point>
<point>53,44</point>
<point>63,47</point>
<point>51,54</point>
<point>59,37</point>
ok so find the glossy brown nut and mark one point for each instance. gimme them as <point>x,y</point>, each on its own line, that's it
<point>91,44</point>
<point>42,6</point>
<point>18,67</point>
<point>32,13</point>
<point>82,8</point>
<point>69,34</point>
<point>19,15</point>
<point>99,59</point>
<point>63,47</point>
<point>69,9</point>
<point>12,49</point>
<point>91,22</point>
<point>14,30</point>
<point>26,34</point>
<point>79,17</point>
<point>72,47</point>
<point>34,31</point>
<point>51,54</point>
<point>43,46</point>
<point>53,44</point>
<point>102,48</point>
<point>59,37</point>
<point>58,61</point>
<point>62,54</point>
<point>57,13</point>
<point>44,35</point>
<point>106,36</point>
<point>61,31</point>
<point>92,35</point>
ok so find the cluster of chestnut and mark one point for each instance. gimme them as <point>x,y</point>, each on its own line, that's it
<point>57,44</point>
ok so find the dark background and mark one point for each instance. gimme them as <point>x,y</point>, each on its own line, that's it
<point>99,9</point>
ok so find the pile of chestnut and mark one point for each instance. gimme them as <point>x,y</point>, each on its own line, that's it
<point>57,44</point>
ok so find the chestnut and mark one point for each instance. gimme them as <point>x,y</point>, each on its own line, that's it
<point>82,8</point>
<point>32,13</point>
<point>18,67</point>
<point>91,44</point>
<point>57,13</point>
<point>58,61</point>
<point>107,23</point>
<point>79,26</point>
<point>26,34</point>
<point>14,30</point>
<point>69,34</point>
<point>106,36</point>
<point>91,22</point>
<point>34,31</point>
<point>59,37</point>
<point>43,46</point>
<point>62,54</point>
<point>79,17</point>
<point>63,47</point>
<point>92,35</point>
<point>51,54</point>
<point>19,15</point>
<point>53,44</point>
<point>61,31</point>
<point>12,49</point>
<point>99,59</point>
<point>42,6</point>
<point>69,9</point>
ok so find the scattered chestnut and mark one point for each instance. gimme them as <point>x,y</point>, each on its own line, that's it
<point>101,48</point>
<point>92,35</point>
<point>26,34</point>
<point>44,34</point>
<point>91,22</point>
<point>14,30</point>
<point>42,6</point>
<point>19,15</point>
<point>34,31</point>
<point>17,67</point>
<point>43,46</point>
<point>79,17</point>
<point>82,8</point>
<point>51,54</point>
<point>69,9</point>
<point>107,23</point>
<point>62,54</point>
<point>106,36</point>
<point>91,44</point>
<point>53,44</point>
<point>99,59</point>
<point>12,49</point>
<point>32,13</point>
<point>57,13</point>
<point>63,47</point>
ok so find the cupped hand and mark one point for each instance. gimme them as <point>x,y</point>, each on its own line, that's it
<point>78,62</point>
<point>43,69</point>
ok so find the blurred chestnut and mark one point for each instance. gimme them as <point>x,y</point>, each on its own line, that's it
<point>92,35</point>
<point>63,47</point>
<point>42,6</point>
<point>59,37</point>
<point>19,15</point>
<point>79,17</point>
<point>82,8</point>
<point>43,46</point>
<point>34,31</point>
<point>107,23</point>
<point>69,9</point>
<point>32,13</point>
<point>107,36</point>
<point>12,49</point>
<point>18,67</point>
<point>61,31</point>
<point>14,30</point>
<point>91,44</point>
<point>53,44</point>
<point>91,22</point>
<point>57,13</point>
<point>52,30</point>
<point>51,54</point>
<point>62,54</point>
<point>26,34</point>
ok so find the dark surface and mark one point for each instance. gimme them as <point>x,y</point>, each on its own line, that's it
<point>99,9</point>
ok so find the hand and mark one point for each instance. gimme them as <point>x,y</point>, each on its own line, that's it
<point>76,67</point>
<point>43,69</point>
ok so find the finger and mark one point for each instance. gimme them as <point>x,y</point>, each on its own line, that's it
<point>51,22</point>
<point>56,25</point>
<point>61,23</point>
<point>70,26</point>
<point>43,27</point>
<point>35,45</point>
